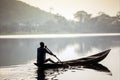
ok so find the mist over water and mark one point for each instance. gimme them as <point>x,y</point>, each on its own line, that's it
<point>18,55</point>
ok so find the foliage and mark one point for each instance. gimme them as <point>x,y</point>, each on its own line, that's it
<point>18,17</point>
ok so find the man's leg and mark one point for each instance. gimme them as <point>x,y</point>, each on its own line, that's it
<point>49,60</point>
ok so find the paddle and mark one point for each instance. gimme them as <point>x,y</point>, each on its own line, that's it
<point>53,54</point>
<point>57,57</point>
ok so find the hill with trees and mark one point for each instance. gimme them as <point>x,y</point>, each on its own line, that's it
<point>17,17</point>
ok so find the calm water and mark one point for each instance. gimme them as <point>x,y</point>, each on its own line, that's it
<point>18,55</point>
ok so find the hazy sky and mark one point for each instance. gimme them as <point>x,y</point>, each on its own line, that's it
<point>68,7</point>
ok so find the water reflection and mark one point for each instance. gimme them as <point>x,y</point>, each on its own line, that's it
<point>52,74</point>
<point>19,51</point>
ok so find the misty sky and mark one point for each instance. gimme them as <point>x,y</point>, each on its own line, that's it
<point>68,7</point>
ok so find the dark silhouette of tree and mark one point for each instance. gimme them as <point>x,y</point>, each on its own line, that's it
<point>102,16</point>
<point>116,19</point>
<point>102,20</point>
<point>118,14</point>
<point>82,16</point>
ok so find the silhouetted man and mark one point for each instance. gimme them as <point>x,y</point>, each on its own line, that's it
<point>41,54</point>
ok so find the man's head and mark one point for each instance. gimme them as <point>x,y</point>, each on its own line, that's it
<point>42,44</point>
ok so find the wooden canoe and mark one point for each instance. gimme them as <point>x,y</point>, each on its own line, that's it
<point>93,59</point>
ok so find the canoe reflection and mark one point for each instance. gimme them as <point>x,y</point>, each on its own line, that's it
<point>42,73</point>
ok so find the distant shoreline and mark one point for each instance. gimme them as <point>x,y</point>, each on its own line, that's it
<point>57,35</point>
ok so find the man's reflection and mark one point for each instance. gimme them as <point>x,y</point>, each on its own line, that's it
<point>41,74</point>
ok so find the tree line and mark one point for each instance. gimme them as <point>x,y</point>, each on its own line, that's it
<point>52,23</point>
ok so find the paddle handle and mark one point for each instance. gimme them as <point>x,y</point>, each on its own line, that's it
<point>53,54</point>
<point>58,59</point>
<point>49,50</point>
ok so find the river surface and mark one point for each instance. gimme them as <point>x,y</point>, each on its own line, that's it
<point>17,55</point>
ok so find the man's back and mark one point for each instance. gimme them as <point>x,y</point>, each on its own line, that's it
<point>41,55</point>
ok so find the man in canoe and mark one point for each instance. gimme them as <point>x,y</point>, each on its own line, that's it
<point>41,54</point>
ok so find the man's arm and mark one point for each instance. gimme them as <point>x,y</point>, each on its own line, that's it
<point>49,52</point>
